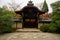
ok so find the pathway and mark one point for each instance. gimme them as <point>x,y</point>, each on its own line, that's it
<point>30,36</point>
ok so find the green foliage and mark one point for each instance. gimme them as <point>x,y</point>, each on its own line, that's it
<point>56,15</point>
<point>6,21</point>
<point>44,28</point>
<point>48,28</point>
<point>54,26</point>
<point>45,7</point>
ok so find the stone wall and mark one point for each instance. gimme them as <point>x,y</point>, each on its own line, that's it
<point>40,24</point>
<point>17,25</point>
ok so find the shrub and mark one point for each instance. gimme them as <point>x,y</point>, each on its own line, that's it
<point>44,28</point>
<point>6,21</point>
<point>49,28</point>
<point>58,26</point>
<point>52,28</point>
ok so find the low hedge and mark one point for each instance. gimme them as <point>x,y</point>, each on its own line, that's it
<point>52,28</point>
<point>6,29</point>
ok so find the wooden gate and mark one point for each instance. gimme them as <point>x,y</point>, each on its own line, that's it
<point>30,23</point>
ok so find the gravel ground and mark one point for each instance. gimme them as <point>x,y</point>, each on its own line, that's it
<point>30,36</point>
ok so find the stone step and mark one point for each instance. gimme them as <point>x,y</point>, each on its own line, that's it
<point>28,30</point>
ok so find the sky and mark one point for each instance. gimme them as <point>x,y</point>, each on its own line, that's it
<point>24,2</point>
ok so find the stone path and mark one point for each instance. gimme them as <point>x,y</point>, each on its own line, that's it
<point>30,36</point>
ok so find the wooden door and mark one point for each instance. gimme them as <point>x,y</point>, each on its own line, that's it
<point>30,23</point>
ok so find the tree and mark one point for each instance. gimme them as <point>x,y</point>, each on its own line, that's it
<point>14,6</point>
<point>6,21</point>
<point>5,7</point>
<point>56,14</point>
<point>54,26</point>
<point>45,7</point>
<point>56,11</point>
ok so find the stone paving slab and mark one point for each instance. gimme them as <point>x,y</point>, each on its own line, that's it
<point>30,36</point>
